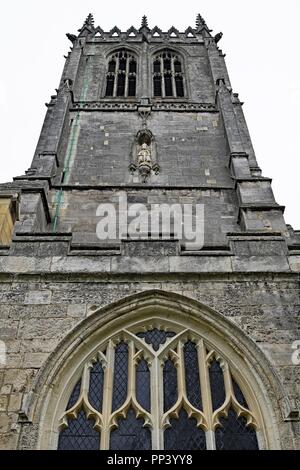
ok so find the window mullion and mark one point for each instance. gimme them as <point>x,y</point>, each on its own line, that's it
<point>163,91</point>
<point>107,395</point>
<point>85,380</point>
<point>173,77</point>
<point>227,379</point>
<point>126,78</point>
<point>184,83</point>
<point>206,395</point>
<point>131,372</point>
<point>157,403</point>
<point>116,77</point>
<point>181,372</point>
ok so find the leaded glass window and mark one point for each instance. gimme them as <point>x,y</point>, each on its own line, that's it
<point>149,387</point>
<point>168,80</point>
<point>121,75</point>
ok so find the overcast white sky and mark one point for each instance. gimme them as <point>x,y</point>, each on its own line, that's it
<point>261,40</point>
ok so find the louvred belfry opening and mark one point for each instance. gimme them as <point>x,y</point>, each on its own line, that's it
<point>121,75</point>
<point>168,75</point>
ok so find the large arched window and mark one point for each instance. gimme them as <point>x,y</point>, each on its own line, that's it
<point>121,75</point>
<point>150,386</point>
<point>168,75</point>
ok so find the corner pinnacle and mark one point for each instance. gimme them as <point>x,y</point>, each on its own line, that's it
<point>200,21</point>
<point>89,20</point>
<point>144,22</point>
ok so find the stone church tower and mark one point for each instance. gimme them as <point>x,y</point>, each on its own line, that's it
<point>152,341</point>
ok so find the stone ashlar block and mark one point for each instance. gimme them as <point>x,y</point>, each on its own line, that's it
<point>80,264</point>
<point>260,264</point>
<point>294,262</point>
<point>257,192</point>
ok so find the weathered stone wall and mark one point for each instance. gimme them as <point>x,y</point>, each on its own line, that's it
<point>78,209</point>
<point>191,148</point>
<point>37,313</point>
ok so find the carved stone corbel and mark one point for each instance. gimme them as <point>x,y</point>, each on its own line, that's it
<point>144,112</point>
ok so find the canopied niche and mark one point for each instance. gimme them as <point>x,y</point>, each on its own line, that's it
<point>144,155</point>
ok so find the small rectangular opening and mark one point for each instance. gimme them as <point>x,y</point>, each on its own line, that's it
<point>168,85</point>
<point>131,86</point>
<point>132,66</point>
<point>179,86</point>
<point>121,85</point>
<point>157,86</point>
<point>8,216</point>
<point>110,86</point>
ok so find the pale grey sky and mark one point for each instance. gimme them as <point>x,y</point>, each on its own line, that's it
<point>260,40</point>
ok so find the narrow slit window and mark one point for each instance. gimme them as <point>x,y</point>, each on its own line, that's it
<point>157,86</point>
<point>112,66</point>
<point>110,85</point>
<point>156,66</point>
<point>122,65</point>
<point>121,85</point>
<point>179,86</point>
<point>132,86</point>
<point>132,66</point>
<point>167,64</point>
<point>177,66</point>
<point>168,85</point>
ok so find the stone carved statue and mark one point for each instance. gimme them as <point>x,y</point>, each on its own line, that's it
<point>144,155</point>
<point>144,161</point>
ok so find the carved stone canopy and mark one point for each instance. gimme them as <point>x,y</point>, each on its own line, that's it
<point>144,136</point>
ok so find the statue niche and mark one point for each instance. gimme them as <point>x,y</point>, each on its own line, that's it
<point>144,156</point>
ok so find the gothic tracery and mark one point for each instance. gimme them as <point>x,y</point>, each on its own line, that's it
<point>169,387</point>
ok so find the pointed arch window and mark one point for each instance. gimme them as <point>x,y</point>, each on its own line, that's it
<point>121,75</point>
<point>154,387</point>
<point>168,79</point>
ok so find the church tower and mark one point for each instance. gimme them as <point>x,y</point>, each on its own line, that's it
<point>149,284</point>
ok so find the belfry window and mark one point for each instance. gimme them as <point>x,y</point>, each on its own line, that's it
<point>147,387</point>
<point>121,75</point>
<point>167,75</point>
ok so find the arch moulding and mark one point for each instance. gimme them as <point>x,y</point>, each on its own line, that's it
<point>56,379</point>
